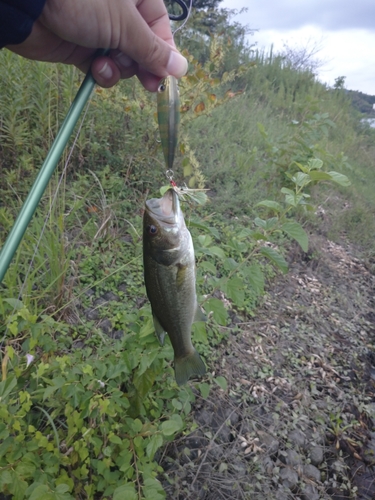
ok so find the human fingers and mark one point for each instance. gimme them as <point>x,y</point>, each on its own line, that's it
<point>150,81</point>
<point>107,71</point>
<point>148,39</point>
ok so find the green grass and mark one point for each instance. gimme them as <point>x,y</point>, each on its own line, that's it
<point>244,148</point>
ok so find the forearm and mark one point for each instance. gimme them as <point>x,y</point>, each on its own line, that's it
<point>17,18</point>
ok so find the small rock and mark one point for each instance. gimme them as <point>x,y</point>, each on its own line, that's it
<point>117,334</point>
<point>216,453</point>
<point>122,287</point>
<point>140,301</point>
<point>297,437</point>
<point>203,417</point>
<point>92,314</point>
<point>291,457</point>
<point>316,455</point>
<point>282,495</point>
<point>268,442</point>
<point>89,292</point>
<point>196,440</point>
<point>111,297</point>
<point>77,344</point>
<point>106,326</point>
<point>321,404</point>
<point>309,492</point>
<point>289,477</point>
<point>100,301</point>
<point>311,472</point>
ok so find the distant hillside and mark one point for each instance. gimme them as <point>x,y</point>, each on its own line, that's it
<point>362,102</point>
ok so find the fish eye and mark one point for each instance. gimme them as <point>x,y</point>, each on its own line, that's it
<point>161,87</point>
<point>152,229</point>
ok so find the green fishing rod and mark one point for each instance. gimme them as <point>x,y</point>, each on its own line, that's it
<point>28,209</point>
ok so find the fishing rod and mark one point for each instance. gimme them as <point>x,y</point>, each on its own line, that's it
<point>32,201</point>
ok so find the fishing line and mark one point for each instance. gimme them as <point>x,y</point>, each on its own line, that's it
<point>52,204</point>
<point>186,20</point>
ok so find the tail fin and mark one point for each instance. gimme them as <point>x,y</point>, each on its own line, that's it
<point>188,366</point>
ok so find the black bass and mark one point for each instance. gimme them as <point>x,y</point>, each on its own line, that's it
<point>168,101</point>
<point>169,270</point>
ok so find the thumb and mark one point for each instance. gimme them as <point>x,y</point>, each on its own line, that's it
<point>148,41</point>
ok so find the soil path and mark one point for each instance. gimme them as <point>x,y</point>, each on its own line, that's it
<point>297,420</point>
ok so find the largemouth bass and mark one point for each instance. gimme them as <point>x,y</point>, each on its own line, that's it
<point>169,270</point>
<point>168,104</point>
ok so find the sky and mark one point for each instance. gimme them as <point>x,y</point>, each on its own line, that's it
<point>344,29</point>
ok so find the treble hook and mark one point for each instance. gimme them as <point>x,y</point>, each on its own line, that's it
<point>182,16</point>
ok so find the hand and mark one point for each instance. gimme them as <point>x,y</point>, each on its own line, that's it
<point>137,32</point>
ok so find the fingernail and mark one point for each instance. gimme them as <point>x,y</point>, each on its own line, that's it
<point>106,72</point>
<point>124,60</point>
<point>177,65</point>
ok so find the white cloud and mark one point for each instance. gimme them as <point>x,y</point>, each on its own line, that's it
<point>342,28</point>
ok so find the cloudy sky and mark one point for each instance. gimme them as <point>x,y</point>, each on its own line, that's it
<point>345,29</point>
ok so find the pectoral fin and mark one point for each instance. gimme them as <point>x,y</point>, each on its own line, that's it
<point>199,314</point>
<point>159,330</point>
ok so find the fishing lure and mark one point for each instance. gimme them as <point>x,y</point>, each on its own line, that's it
<point>168,105</point>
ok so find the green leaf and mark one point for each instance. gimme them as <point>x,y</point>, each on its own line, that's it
<point>315,164</point>
<point>205,265</point>
<point>275,258</point>
<point>218,252</point>
<point>222,382</point>
<point>296,231</point>
<point>199,332</point>
<point>5,478</point>
<point>245,233</point>
<point>153,490</point>
<point>340,179</point>
<point>188,169</point>
<point>198,224</point>
<point>15,303</point>
<point>146,329</point>
<point>25,470</point>
<point>270,204</point>
<point>125,491</point>
<point>204,389</point>
<point>255,276</point>
<point>61,492</point>
<point>301,179</point>
<point>260,222</point>
<point>319,176</point>
<point>41,492</point>
<point>204,240</point>
<point>199,197</point>
<point>144,381</point>
<point>233,288</point>
<point>154,444</point>
<point>170,427</point>
<point>18,488</point>
<point>136,425</point>
<point>164,189</point>
<point>7,386</point>
<point>220,314</point>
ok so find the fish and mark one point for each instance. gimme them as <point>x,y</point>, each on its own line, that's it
<point>169,274</point>
<point>168,110</point>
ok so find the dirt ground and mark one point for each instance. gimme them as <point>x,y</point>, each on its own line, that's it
<point>297,419</point>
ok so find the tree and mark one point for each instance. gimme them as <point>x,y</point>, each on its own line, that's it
<point>339,83</point>
<point>303,58</point>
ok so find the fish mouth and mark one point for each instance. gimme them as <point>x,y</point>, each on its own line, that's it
<point>165,209</point>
